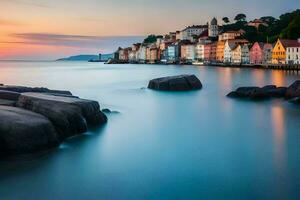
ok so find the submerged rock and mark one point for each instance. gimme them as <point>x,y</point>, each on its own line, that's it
<point>257,93</point>
<point>108,111</point>
<point>176,83</point>
<point>23,131</point>
<point>70,116</point>
<point>293,90</point>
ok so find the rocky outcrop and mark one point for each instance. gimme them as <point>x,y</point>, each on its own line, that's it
<point>22,89</point>
<point>176,83</point>
<point>257,93</point>
<point>22,131</point>
<point>293,91</point>
<point>33,121</point>
<point>70,116</point>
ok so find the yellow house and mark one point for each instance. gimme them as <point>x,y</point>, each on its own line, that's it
<point>279,51</point>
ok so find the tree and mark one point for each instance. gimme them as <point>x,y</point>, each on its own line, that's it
<point>268,19</point>
<point>150,39</point>
<point>292,31</point>
<point>240,17</point>
<point>226,20</point>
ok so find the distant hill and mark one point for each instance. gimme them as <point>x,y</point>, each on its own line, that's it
<point>104,57</point>
<point>79,58</point>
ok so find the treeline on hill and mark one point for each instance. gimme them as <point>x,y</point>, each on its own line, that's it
<point>287,26</point>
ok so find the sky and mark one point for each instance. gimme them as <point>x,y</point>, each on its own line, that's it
<point>51,29</point>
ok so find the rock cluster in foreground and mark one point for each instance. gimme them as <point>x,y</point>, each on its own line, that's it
<point>34,119</point>
<point>270,91</point>
<point>176,83</point>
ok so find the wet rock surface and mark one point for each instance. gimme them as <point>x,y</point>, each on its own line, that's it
<point>33,121</point>
<point>267,92</point>
<point>176,83</point>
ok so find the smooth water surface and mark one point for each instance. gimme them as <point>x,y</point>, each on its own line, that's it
<point>162,145</point>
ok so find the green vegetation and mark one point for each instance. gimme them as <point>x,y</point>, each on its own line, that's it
<point>226,20</point>
<point>287,26</point>
<point>150,39</point>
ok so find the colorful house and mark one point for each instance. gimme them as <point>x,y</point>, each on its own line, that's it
<point>220,51</point>
<point>257,53</point>
<point>245,54</point>
<point>279,53</point>
<point>188,52</point>
<point>267,59</point>
<point>213,52</point>
<point>237,55</point>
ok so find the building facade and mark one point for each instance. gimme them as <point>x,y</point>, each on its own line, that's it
<point>293,54</point>
<point>267,54</point>
<point>189,32</point>
<point>237,55</point>
<point>245,54</point>
<point>188,52</point>
<point>220,51</point>
<point>257,53</point>
<point>279,53</point>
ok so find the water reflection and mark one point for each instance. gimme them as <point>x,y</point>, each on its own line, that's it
<point>278,78</point>
<point>279,131</point>
<point>259,77</point>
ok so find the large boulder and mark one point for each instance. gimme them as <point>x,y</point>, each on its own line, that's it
<point>8,95</point>
<point>257,93</point>
<point>22,89</point>
<point>70,116</point>
<point>293,90</point>
<point>22,131</point>
<point>176,83</point>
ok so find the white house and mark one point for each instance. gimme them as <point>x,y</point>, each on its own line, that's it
<point>190,31</point>
<point>199,51</point>
<point>188,52</point>
<point>229,46</point>
<point>293,54</point>
<point>142,53</point>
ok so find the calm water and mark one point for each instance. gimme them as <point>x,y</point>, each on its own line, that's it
<point>191,145</point>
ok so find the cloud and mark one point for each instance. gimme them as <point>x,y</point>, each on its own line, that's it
<point>103,43</point>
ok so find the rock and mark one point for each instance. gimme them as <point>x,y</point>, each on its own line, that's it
<point>5,102</point>
<point>22,89</point>
<point>70,116</point>
<point>8,95</point>
<point>293,90</point>
<point>176,83</point>
<point>108,111</point>
<point>256,93</point>
<point>22,131</point>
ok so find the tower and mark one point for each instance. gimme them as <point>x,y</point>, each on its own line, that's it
<point>213,28</point>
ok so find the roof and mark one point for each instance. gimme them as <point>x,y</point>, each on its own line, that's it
<point>195,27</point>
<point>289,43</point>
<point>214,21</point>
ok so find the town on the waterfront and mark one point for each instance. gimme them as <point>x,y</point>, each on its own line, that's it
<point>261,42</point>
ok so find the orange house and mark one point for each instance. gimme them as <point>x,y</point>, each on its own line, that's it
<point>279,50</point>
<point>220,51</point>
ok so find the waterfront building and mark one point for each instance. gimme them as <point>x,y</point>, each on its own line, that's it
<point>267,53</point>
<point>189,32</point>
<point>213,52</point>
<point>293,54</point>
<point>124,54</point>
<point>142,53</point>
<point>220,51</point>
<point>245,54</point>
<point>237,54</point>
<point>279,50</point>
<point>213,28</point>
<point>173,53</point>
<point>154,55</point>
<point>228,48</point>
<point>230,35</point>
<point>188,52</point>
<point>132,56</point>
<point>199,51</point>
<point>256,23</point>
<point>257,53</point>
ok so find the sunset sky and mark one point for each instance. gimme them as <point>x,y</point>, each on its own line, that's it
<point>50,29</point>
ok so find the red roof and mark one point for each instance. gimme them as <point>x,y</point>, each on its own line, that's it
<point>290,43</point>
